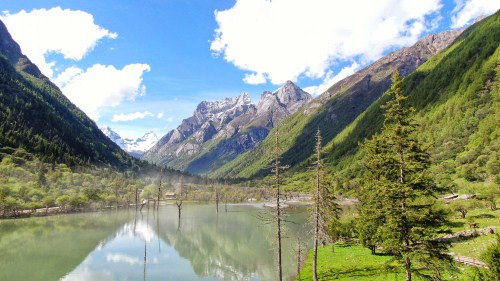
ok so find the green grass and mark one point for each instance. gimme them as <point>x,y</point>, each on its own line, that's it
<point>354,262</point>
<point>484,218</point>
<point>474,247</point>
<point>349,262</point>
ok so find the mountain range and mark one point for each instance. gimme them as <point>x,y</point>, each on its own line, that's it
<point>133,147</point>
<point>455,93</point>
<point>451,79</point>
<point>220,131</point>
<point>221,139</point>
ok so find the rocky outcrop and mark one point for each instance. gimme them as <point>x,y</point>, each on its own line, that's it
<point>219,131</point>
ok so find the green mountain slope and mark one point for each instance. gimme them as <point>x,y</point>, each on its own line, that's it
<point>36,116</point>
<point>456,95</point>
<point>334,110</point>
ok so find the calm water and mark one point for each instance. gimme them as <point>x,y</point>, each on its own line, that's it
<point>125,245</point>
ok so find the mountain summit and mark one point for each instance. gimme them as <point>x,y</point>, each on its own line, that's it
<point>133,147</point>
<point>219,131</point>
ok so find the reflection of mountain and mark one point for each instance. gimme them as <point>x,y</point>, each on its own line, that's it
<point>48,248</point>
<point>232,246</point>
<point>111,246</point>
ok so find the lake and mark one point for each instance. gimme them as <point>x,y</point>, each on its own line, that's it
<point>127,245</point>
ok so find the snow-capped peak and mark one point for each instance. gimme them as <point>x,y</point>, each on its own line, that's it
<point>133,147</point>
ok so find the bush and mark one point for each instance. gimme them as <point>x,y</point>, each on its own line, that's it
<point>492,257</point>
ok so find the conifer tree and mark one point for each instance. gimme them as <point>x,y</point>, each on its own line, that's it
<point>400,194</point>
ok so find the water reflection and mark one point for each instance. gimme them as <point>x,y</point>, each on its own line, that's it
<point>156,246</point>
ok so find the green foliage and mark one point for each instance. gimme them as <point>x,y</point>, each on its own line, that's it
<point>28,185</point>
<point>36,116</point>
<point>407,217</point>
<point>464,206</point>
<point>456,96</point>
<point>492,258</point>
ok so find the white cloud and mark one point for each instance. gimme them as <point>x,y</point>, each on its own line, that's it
<point>254,79</point>
<point>467,11</point>
<point>330,79</point>
<point>170,119</point>
<point>41,32</point>
<point>159,115</point>
<point>122,258</point>
<point>101,86</point>
<point>284,39</point>
<point>131,116</point>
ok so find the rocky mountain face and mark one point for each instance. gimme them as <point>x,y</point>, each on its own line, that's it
<point>338,107</point>
<point>219,131</point>
<point>134,147</point>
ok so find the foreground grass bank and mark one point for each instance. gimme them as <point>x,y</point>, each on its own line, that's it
<point>354,262</point>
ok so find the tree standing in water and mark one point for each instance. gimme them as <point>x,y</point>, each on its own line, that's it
<point>405,191</point>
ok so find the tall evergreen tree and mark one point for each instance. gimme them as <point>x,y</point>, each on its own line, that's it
<point>400,193</point>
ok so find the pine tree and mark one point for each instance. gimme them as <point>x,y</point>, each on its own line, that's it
<point>400,194</point>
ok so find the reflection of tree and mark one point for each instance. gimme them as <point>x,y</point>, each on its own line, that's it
<point>235,247</point>
<point>51,247</point>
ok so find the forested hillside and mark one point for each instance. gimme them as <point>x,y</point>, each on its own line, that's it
<point>36,116</point>
<point>335,109</point>
<point>456,97</point>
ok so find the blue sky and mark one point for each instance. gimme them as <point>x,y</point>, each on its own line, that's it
<point>144,65</point>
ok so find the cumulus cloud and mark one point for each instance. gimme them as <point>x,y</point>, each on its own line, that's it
<point>41,32</point>
<point>102,86</point>
<point>159,115</point>
<point>331,79</point>
<point>467,11</point>
<point>282,40</point>
<point>132,116</point>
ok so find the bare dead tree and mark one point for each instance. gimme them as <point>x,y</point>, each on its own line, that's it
<point>277,168</point>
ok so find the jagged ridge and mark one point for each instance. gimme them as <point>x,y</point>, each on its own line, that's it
<point>219,131</point>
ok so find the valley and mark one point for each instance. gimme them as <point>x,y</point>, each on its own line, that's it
<point>411,142</point>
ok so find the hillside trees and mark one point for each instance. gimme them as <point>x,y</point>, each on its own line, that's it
<point>398,165</point>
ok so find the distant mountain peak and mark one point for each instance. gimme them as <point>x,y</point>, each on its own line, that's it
<point>223,129</point>
<point>133,147</point>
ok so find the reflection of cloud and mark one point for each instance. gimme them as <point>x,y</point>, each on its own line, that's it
<point>117,258</point>
<point>85,273</point>
<point>140,229</point>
